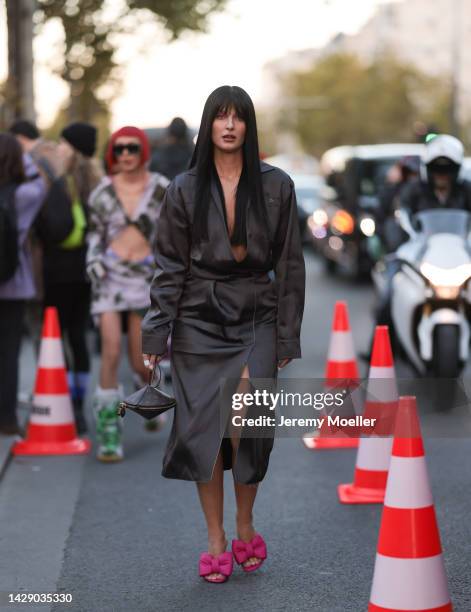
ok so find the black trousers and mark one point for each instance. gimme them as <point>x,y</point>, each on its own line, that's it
<point>72,301</point>
<point>11,328</point>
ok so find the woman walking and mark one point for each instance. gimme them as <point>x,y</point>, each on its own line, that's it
<point>20,202</point>
<point>123,215</point>
<point>225,225</point>
<point>66,285</point>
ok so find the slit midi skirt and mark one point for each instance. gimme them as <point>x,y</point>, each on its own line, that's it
<point>203,353</point>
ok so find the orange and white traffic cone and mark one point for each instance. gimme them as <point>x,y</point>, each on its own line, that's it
<point>374,453</point>
<point>409,572</point>
<point>341,371</point>
<point>51,428</point>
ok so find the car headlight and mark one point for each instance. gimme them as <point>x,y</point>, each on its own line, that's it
<point>368,226</point>
<point>343,222</point>
<point>320,217</point>
<point>446,277</point>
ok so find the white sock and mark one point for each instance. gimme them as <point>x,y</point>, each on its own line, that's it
<point>107,394</point>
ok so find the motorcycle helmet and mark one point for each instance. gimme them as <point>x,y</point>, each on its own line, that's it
<point>443,154</point>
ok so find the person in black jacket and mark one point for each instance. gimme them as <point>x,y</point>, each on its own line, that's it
<point>229,285</point>
<point>439,186</point>
<point>402,174</point>
<point>175,154</point>
<point>66,284</point>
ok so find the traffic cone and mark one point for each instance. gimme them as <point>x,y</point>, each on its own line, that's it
<point>409,572</point>
<point>341,371</point>
<point>51,428</point>
<point>374,453</point>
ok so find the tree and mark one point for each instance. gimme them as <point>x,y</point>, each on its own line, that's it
<point>18,90</point>
<point>362,104</point>
<point>91,29</point>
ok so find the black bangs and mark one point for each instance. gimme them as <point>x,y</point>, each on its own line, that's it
<point>220,101</point>
<point>236,105</point>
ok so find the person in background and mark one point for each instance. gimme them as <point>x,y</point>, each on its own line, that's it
<point>175,154</point>
<point>23,199</point>
<point>401,175</point>
<point>36,150</point>
<point>440,184</point>
<point>436,185</point>
<point>123,213</point>
<point>66,285</point>
<point>53,215</point>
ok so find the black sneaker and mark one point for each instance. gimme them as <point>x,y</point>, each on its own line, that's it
<point>80,421</point>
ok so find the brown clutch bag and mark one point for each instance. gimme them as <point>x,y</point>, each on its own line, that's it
<point>150,401</point>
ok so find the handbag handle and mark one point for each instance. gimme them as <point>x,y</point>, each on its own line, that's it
<point>152,375</point>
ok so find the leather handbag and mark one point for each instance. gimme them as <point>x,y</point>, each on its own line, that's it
<point>150,401</point>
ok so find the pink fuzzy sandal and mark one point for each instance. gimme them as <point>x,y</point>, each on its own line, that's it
<point>219,564</point>
<point>243,551</point>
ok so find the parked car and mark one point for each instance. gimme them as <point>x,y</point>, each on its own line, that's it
<point>344,224</point>
<point>304,170</point>
<point>308,189</point>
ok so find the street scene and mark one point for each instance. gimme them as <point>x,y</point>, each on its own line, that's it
<point>207,203</point>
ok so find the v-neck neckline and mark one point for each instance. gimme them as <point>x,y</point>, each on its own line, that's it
<point>221,206</point>
<point>140,204</point>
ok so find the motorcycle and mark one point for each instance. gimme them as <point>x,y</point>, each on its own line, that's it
<point>431,291</point>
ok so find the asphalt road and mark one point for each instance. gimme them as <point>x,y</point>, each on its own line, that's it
<point>122,538</point>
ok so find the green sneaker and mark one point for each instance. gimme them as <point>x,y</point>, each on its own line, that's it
<point>108,428</point>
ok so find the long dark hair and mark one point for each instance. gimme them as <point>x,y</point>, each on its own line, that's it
<point>250,184</point>
<point>11,160</point>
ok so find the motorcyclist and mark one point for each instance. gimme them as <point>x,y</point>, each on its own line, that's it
<point>438,186</point>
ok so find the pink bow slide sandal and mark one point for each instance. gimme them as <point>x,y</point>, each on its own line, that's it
<point>219,564</point>
<point>243,551</point>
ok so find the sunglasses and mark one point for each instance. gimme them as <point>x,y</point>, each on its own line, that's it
<point>132,149</point>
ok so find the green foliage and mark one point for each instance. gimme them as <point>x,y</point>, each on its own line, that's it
<point>180,15</point>
<point>362,104</point>
<point>91,28</point>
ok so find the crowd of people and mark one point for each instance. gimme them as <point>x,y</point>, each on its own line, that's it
<point>76,232</point>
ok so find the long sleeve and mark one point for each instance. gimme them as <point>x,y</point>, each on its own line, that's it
<point>290,276</point>
<point>172,257</point>
<point>29,199</point>
<point>96,231</point>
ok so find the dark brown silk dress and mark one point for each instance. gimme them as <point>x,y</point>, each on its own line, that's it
<point>223,315</point>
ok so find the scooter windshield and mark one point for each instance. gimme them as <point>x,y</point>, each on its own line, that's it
<point>431,222</point>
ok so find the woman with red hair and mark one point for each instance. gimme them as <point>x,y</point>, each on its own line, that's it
<point>123,214</point>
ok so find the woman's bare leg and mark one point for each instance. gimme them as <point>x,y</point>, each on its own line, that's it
<point>134,346</point>
<point>244,494</point>
<point>211,496</point>
<point>110,331</point>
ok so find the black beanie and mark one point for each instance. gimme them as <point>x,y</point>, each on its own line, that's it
<point>81,136</point>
